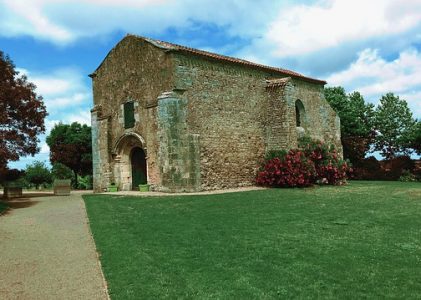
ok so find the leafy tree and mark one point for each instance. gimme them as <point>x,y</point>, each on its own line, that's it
<point>22,114</point>
<point>337,98</point>
<point>357,121</point>
<point>414,138</point>
<point>71,145</point>
<point>60,171</point>
<point>37,173</point>
<point>395,125</point>
<point>361,116</point>
<point>7,175</point>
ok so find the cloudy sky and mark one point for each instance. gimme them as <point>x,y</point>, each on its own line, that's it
<point>371,46</point>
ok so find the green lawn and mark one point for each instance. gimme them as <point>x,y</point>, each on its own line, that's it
<point>358,241</point>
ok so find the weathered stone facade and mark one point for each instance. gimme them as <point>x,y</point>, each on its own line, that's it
<point>204,121</point>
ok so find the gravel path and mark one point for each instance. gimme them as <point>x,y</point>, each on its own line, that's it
<point>162,194</point>
<point>47,251</point>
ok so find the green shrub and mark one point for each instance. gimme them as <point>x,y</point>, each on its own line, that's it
<point>275,154</point>
<point>407,176</point>
<point>85,182</point>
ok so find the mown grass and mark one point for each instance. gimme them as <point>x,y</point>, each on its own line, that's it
<point>358,241</point>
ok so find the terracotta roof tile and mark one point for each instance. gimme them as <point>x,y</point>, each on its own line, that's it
<point>175,47</point>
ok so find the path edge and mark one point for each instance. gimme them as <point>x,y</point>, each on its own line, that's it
<point>87,224</point>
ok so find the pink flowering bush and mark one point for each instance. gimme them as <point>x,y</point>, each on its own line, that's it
<point>314,162</point>
<point>293,170</point>
<point>330,168</point>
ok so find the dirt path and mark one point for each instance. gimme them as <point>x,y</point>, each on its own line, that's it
<point>47,252</point>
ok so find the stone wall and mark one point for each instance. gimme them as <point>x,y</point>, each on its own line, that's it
<point>133,71</point>
<point>179,154</point>
<point>238,118</point>
<point>280,131</point>
<point>225,109</point>
<point>100,150</point>
<point>320,120</point>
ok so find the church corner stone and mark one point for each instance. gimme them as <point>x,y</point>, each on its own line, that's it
<point>200,122</point>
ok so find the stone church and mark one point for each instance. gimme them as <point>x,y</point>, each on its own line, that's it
<point>182,119</point>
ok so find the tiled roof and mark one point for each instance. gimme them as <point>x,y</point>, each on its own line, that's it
<point>174,47</point>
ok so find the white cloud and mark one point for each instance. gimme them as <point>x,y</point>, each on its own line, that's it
<point>302,29</point>
<point>287,28</point>
<point>26,17</point>
<point>72,100</point>
<point>22,17</point>
<point>132,3</point>
<point>373,76</point>
<point>61,89</point>
<point>414,101</point>
<point>51,86</point>
<point>63,22</point>
<point>44,148</point>
<point>82,117</point>
<point>397,75</point>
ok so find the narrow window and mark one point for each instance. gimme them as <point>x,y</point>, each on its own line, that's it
<point>297,117</point>
<point>299,113</point>
<point>129,115</point>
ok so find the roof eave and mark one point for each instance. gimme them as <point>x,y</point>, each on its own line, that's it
<point>255,66</point>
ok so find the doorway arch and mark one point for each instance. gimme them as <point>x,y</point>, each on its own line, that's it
<point>138,166</point>
<point>129,148</point>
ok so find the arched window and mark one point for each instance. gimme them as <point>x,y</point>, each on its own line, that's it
<point>299,113</point>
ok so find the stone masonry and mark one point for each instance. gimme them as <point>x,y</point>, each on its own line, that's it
<point>204,121</point>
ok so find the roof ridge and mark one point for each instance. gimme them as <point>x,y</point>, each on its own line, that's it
<point>175,47</point>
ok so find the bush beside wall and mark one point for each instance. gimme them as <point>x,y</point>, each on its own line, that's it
<point>314,162</point>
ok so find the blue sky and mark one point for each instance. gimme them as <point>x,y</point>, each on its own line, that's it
<point>370,46</point>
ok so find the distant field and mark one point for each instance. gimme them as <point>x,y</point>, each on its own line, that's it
<point>358,241</point>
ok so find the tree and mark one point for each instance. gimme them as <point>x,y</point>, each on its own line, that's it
<point>22,114</point>
<point>37,173</point>
<point>60,171</point>
<point>71,145</point>
<point>414,138</point>
<point>357,121</point>
<point>7,175</point>
<point>395,124</point>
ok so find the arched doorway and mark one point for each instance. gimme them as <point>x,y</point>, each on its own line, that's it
<point>139,170</point>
